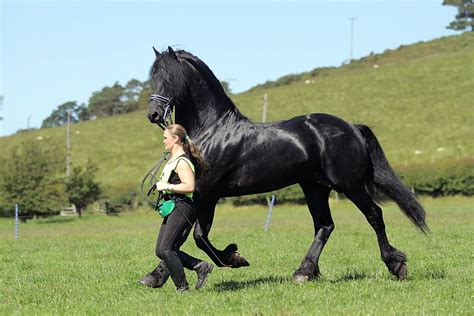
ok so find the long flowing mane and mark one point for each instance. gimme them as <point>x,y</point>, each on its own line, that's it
<point>174,71</point>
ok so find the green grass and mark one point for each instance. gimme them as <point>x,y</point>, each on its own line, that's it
<point>418,99</point>
<point>91,265</point>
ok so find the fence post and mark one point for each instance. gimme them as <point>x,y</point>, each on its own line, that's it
<point>267,223</point>
<point>16,221</point>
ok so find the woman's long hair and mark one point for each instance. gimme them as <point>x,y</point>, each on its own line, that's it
<point>190,149</point>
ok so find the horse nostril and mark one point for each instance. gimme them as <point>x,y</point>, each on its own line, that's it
<point>153,116</point>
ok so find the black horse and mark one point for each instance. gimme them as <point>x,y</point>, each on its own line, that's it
<point>320,152</point>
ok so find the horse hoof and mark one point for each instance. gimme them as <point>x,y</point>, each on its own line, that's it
<point>300,279</point>
<point>237,261</point>
<point>402,272</point>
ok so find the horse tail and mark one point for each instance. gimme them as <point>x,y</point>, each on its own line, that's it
<point>382,179</point>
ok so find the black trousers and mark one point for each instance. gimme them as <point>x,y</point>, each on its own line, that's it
<point>173,233</point>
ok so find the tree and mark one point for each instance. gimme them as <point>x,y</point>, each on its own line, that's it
<point>59,116</point>
<point>226,86</point>
<point>465,17</point>
<point>108,101</point>
<point>131,94</point>
<point>32,177</point>
<point>82,188</point>
<point>144,95</point>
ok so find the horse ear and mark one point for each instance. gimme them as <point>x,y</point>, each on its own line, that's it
<point>157,53</point>
<point>172,53</point>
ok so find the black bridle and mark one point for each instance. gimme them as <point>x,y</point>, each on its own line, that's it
<point>167,108</point>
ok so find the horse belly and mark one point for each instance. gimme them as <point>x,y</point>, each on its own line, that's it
<point>264,177</point>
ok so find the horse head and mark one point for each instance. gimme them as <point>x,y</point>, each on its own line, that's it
<point>184,83</point>
<point>169,87</point>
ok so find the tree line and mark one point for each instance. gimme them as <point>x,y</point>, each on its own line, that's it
<point>109,101</point>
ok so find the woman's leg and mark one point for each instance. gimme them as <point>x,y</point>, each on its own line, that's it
<point>201,267</point>
<point>159,276</point>
<point>173,233</point>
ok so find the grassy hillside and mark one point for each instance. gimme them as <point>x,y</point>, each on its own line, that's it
<point>418,99</point>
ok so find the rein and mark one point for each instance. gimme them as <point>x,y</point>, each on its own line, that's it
<point>151,175</point>
<point>166,107</point>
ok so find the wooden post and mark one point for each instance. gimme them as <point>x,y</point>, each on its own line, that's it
<point>264,112</point>
<point>68,144</point>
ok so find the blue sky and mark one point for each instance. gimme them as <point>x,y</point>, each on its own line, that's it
<point>58,51</point>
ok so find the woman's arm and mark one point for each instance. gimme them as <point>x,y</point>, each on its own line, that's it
<point>186,176</point>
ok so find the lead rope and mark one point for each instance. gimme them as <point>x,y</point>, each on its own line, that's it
<point>152,181</point>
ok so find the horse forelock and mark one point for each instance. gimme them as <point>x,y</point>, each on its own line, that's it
<point>169,71</point>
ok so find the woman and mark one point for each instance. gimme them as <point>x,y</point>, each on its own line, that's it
<point>177,182</point>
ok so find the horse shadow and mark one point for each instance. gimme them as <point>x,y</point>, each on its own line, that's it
<point>352,276</point>
<point>225,286</point>
<point>432,274</point>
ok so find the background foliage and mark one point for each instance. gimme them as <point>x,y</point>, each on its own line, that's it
<point>81,187</point>
<point>32,177</point>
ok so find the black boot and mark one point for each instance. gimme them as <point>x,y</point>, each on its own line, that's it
<point>156,278</point>
<point>202,269</point>
<point>175,268</point>
<point>184,287</point>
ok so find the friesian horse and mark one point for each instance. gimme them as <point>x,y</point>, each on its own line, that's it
<point>320,152</point>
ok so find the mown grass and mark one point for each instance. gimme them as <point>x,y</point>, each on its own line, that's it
<point>91,265</point>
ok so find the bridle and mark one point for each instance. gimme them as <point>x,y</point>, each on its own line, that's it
<point>165,105</point>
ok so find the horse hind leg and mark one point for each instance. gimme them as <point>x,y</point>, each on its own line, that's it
<point>394,259</point>
<point>229,257</point>
<point>317,198</point>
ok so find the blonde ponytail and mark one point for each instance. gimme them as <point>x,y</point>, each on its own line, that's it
<point>190,149</point>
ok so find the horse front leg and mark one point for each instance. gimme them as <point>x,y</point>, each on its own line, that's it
<point>229,257</point>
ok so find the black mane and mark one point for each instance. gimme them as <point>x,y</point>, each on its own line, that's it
<point>174,70</point>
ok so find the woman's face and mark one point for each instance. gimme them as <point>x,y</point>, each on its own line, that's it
<point>169,140</point>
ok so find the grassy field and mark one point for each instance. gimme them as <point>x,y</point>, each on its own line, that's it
<point>418,100</point>
<point>91,265</point>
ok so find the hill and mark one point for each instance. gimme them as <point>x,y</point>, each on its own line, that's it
<point>418,100</point>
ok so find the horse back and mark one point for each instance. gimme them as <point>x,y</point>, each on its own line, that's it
<point>255,158</point>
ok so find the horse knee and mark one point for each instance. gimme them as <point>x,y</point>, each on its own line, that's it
<point>199,240</point>
<point>161,252</point>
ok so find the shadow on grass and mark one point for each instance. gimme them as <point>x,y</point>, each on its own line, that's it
<point>240,285</point>
<point>437,273</point>
<point>353,276</point>
<point>431,274</point>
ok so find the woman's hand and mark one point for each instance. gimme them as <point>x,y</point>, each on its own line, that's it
<point>161,186</point>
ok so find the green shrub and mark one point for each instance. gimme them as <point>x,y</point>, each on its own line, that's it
<point>32,176</point>
<point>441,180</point>
<point>82,188</point>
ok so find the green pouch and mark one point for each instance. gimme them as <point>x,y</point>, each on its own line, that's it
<point>165,208</point>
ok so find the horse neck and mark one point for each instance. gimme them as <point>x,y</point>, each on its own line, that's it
<point>206,110</point>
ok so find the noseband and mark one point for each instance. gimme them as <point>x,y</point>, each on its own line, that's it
<point>166,107</point>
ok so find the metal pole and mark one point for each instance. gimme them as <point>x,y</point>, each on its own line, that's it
<point>267,223</point>
<point>68,143</point>
<point>16,221</point>
<point>264,112</point>
<point>352,35</point>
